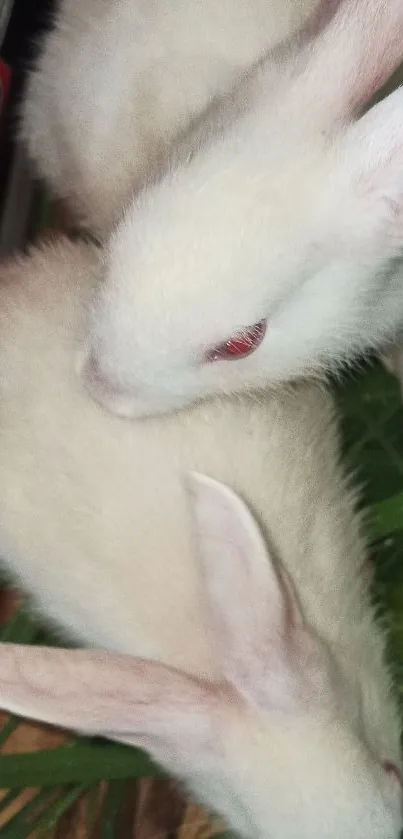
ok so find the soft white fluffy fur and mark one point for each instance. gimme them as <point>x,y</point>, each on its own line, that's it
<point>266,688</point>
<point>279,205</point>
<point>116,81</point>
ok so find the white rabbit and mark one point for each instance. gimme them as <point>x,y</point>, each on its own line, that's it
<point>273,249</point>
<point>115,83</point>
<point>262,681</point>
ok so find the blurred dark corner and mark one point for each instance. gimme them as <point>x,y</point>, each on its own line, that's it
<point>28,20</point>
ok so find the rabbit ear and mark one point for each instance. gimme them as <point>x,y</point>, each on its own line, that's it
<point>131,700</point>
<point>362,45</point>
<point>370,180</point>
<point>259,632</point>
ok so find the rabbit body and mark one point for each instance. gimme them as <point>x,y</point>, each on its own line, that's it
<point>93,513</point>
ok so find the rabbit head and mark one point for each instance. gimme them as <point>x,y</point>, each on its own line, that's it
<point>269,746</point>
<point>270,250</point>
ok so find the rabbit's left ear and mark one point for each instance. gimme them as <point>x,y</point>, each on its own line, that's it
<point>131,700</point>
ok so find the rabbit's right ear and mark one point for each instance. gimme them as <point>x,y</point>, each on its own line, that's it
<point>264,646</point>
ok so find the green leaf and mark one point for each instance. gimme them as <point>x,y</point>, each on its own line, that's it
<point>80,763</point>
<point>387,516</point>
<point>52,815</point>
<point>20,629</point>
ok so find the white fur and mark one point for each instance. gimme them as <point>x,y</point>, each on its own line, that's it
<point>115,82</point>
<point>278,205</point>
<point>278,711</point>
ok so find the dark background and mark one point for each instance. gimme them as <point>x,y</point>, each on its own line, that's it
<point>29,19</point>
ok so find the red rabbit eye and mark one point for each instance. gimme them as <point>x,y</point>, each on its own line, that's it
<point>240,345</point>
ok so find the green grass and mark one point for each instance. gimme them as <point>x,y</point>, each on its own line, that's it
<point>373,442</point>
<point>372,423</point>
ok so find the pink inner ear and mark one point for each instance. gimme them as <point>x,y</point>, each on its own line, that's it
<point>240,345</point>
